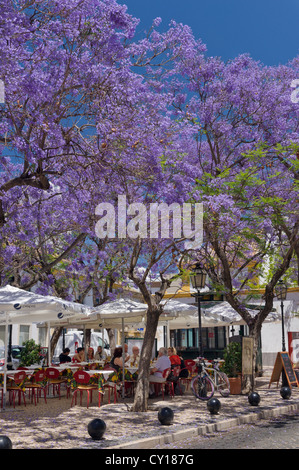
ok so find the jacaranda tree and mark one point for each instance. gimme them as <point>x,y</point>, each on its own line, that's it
<point>91,113</point>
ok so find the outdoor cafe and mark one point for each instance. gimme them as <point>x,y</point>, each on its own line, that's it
<point>35,383</point>
<point>30,385</point>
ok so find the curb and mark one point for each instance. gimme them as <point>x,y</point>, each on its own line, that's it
<point>150,442</point>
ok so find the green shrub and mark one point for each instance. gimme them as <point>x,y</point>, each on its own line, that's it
<point>232,360</point>
<point>31,354</point>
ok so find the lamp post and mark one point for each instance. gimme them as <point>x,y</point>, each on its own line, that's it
<point>198,281</point>
<point>281,293</point>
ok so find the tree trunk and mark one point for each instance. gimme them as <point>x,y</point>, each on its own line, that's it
<point>87,338</point>
<point>111,337</point>
<point>248,382</point>
<point>54,339</point>
<point>142,389</point>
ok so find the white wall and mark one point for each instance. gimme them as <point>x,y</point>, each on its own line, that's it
<point>272,339</point>
<point>272,332</point>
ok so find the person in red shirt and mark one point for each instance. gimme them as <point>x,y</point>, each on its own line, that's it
<point>79,356</point>
<point>174,358</point>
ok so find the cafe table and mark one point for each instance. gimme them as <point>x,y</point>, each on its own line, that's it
<point>10,375</point>
<point>98,371</point>
<point>65,366</point>
<point>101,376</point>
<point>88,363</point>
<point>131,369</point>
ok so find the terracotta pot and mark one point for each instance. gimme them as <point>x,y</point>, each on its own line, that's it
<point>235,385</point>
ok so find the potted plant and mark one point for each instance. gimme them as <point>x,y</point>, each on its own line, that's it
<point>233,367</point>
<point>30,354</point>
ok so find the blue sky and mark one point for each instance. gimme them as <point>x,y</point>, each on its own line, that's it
<point>266,29</point>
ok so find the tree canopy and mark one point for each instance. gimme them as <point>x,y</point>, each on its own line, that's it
<point>93,112</point>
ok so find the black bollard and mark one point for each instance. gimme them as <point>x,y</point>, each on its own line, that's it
<point>213,405</point>
<point>254,398</point>
<point>285,392</point>
<point>165,416</point>
<point>96,429</point>
<point>5,442</point>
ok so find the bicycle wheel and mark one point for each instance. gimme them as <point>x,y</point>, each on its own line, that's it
<point>222,384</point>
<point>202,387</point>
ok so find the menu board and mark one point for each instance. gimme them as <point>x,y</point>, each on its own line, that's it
<point>247,356</point>
<point>283,362</point>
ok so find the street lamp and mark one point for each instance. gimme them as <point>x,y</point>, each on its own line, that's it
<point>198,281</point>
<point>281,293</point>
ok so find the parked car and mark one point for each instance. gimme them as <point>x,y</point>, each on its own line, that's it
<point>15,357</point>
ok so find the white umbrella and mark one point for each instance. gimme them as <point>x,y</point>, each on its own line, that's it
<point>191,321</point>
<point>115,312</point>
<point>20,306</point>
<point>224,314</point>
<point>176,308</point>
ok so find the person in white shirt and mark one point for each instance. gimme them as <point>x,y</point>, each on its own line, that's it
<point>100,354</point>
<point>127,356</point>
<point>163,362</point>
<point>135,357</point>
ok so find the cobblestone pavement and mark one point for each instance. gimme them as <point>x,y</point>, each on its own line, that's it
<point>275,433</point>
<point>57,425</point>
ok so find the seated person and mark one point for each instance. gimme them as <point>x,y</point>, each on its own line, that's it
<point>90,354</point>
<point>174,358</point>
<point>163,362</point>
<point>184,373</point>
<point>100,354</point>
<point>117,360</point>
<point>135,357</point>
<point>64,356</point>
<point>79,356</point>
<point>176,361</point>
<point>90,358</point>
<point>127,356</point>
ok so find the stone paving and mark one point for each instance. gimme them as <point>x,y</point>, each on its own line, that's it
<point>280,432</point>
<point>57,425</point>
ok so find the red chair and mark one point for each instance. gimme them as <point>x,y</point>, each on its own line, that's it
<point>55,379</point>
<point>38,383</point>
<point>189,363</point>
<point>82,380</point>
<point>160,386</point>
<point>14,387</point>
<point>191,367</point>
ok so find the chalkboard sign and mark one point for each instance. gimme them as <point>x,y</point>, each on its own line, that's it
<point>283,362</point>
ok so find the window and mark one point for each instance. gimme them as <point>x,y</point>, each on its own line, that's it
<point>211,338</point>
<point>23,334</point>
<point>42,336</point>
<point>221,338</point>
<point>190,338</point>
<point>184,338</point>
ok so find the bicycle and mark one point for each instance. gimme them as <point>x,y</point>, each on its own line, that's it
<point>208,380</point>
